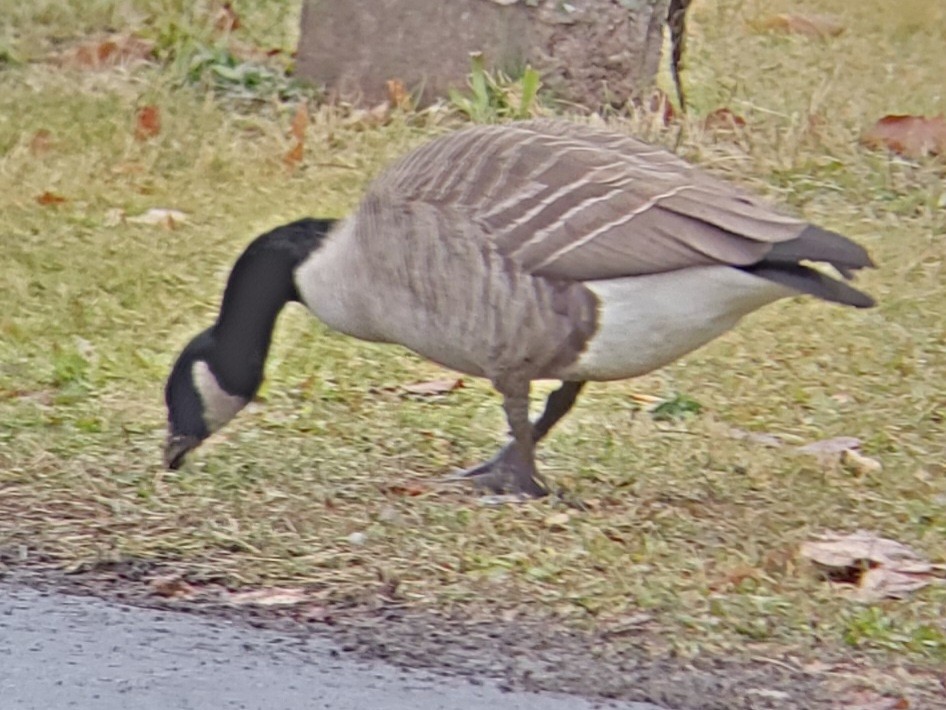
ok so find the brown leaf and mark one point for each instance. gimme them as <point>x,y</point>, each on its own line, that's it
<point>830,448</point>
<point>880,567</point>
<point>860,464</point>
<point>433,387</point>
<point>147,122</point>
<point>105,52</point>
<point>821,26</point>
<point>41,142</point>
<point>364,119</point>
<point>300,121</point>
<point>869,700</point>
<point>272,596</point>
<point>910,136</point>
<point>294,155</point>
<point>226,19</point>
<point>398,95</point>
<point>410,489</point>
<point>50,198</point>
<point>723,119</point>
<point>171,586</point>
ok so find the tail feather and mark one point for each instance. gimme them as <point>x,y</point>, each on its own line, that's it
<point>783,265</point>
<point>817,244</point>
<point>811,281</point>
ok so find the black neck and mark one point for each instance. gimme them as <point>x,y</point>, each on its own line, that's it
<point>260,284</point>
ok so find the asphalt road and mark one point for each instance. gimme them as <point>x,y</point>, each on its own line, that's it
<point>59,651</point>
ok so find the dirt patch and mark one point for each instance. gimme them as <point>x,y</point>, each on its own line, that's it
<point>524,653</point>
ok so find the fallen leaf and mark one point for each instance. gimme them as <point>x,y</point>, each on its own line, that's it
<point>821,26</point>
<point>109,51</point>
<point>869,700</point>
<point>557,521</point>
<point>365,119</point>
<point>626,625</point>
<point>723,119</point>
<point>879,567</point>
<point>830,448</point>
<point>272,596</point>
<point>171,586</point>
<point>910,136</point>
<point>294,156</point>
<point>226,19</point>
<point>147,122</point>
<point>409,489</point>
<point>41,142</point>
<point>398,95</point>
<point>50,198</point>
<point>646,400</point>
<point>159,217</point>
<point>860,464</point>
<point>433,387</point>
<point>300,121</point>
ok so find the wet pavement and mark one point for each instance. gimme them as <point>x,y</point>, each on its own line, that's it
<point>62,651</point>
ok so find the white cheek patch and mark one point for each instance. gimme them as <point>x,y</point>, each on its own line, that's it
<point>219,406</point>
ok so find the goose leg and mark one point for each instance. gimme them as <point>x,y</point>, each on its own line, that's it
<point>513,468</point>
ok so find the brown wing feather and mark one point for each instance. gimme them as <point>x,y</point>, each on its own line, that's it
<point>571,201</point>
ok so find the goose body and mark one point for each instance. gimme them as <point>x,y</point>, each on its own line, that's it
<point>536,250</point>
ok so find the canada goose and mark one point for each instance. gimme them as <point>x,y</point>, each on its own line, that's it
<point>536,250</point>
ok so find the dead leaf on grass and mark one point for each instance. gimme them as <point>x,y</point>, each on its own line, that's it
<point>910,136</point>
<point>821,26</point>
<point>879,567</point>
<point>104,52</point>
<point>50,198</point>
<point>159,217</point>
<point>832,448</point>
<point>869,700</point>
<point>366,119</point>
<point>398,95</point>
<point>410,489</point>
<point>433,387</point>
<point>300,121</point>
<point>171,586</point>
<point>272,596</point>
<point>723,119</point>
<point>147,122</point>
<point>294,155</point>
<point>860,464</point>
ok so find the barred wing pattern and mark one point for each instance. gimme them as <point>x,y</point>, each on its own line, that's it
<point>568,201</point>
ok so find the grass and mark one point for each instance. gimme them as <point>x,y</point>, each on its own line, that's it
<point>685,523</point>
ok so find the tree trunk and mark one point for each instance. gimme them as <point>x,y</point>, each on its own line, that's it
<point>590,52</point>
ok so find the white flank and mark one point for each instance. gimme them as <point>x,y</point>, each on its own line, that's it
<point>647,322</point>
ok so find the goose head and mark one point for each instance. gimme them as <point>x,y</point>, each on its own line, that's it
<point>199,401</point>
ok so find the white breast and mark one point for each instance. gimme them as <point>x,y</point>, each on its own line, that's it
<point>646,322</point>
